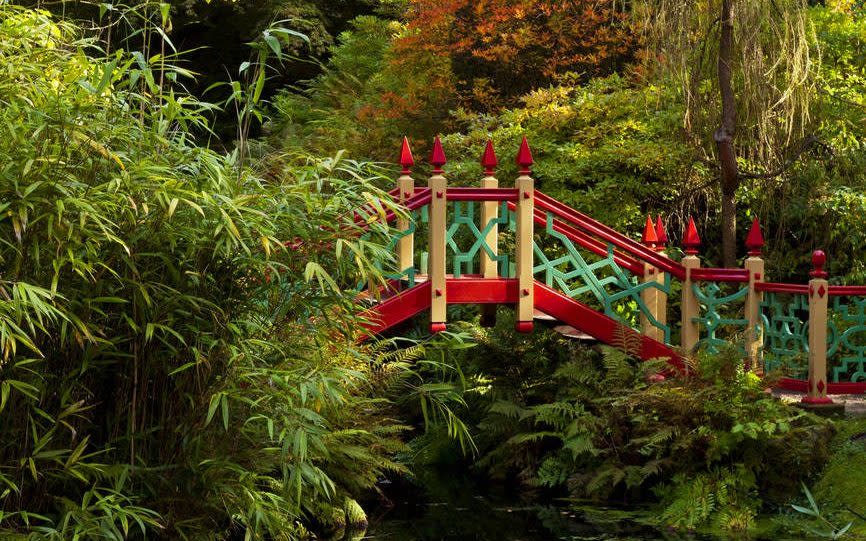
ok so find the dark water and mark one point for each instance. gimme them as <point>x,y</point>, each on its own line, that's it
<point>454,509</point>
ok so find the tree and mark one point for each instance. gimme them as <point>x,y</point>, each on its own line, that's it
<point>501,49</point>
<point>752,103</point>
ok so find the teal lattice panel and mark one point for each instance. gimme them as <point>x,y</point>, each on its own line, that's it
<point>564,267</point>
<point>847,339</point>
<point>409,274</point>
<point>716,315</point>
<point>463,225</point>
<point>785,326</point>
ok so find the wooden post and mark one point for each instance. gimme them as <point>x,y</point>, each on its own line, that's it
<point>690,331</point>
<point>406,186</point>
<point>818,301</point>
<point>489,212</point>
<point>755,267</point>
<point>649,295</point>
<point>436,258</point>
<point>524,240</point>
<point>661,296</point>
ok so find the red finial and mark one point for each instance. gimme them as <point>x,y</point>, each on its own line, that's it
<point>755,240</point>
<point>649,232</point>
<point>437,157</point>
<point>660,234</point>
<point>818,260</point>
<point>488,160</point>
<point>691,240</point>
<point>406,159</point>
<point>524,157</point>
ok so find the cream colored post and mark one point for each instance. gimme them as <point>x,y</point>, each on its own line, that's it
<point>436,258</point>
<point>754,265</point>
<point>524,240</point>
<point>690,332</point>
<point>649,295</point>
<point>754,332</point>
<point>650,298</point>
<point>489,212</point>
<point>406,245</point>
<point>818,301</point>
<point>661,312</point>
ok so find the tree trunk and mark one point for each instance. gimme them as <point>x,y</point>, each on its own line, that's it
<point>724,137</point>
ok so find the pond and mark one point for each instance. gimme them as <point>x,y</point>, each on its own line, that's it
<point>454,508</point>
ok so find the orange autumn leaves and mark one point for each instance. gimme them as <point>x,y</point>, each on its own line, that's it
<point>501,49</point>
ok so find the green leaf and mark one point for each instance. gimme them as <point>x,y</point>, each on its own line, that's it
<point>225,411</point>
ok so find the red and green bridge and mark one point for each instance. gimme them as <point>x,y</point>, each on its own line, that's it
<point>492,245</point>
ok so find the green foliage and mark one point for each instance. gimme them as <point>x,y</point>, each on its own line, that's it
<point>814,512</point>
<point>178,354</point>
<point>712,447</point>
<point>362,102</point>
<point>839,486</point>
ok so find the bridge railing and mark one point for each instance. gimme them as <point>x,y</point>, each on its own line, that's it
<point>515,236</point>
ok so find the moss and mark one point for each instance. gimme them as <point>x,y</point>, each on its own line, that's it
<point>841,486</point>
<point>355,515</point>
<point>329,517</point>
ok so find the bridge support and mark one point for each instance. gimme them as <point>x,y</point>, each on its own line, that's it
<point>406,187</point>
<point>690,332</point>
<point>755,268</point>
<point>438,227</point>
<point>525,257</point>
<point>489,215</point>
<point>754,332</point>
<point>819,294</point>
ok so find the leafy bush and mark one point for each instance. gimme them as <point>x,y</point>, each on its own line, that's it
<point>712,447</point>
<point>178,356</point>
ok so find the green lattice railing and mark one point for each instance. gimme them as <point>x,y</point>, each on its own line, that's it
<point>612,287</point>
<point>847,339</point>
<point>786,344</point>
<point>463,230</point>
<point>785,326</point>
<point>719,317</point>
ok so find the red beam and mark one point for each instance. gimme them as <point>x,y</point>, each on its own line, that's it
<point>802,386</point>
<point>397,309</point>
<point>482,194</point>
<point>593,245</point>
<point>775,287</point>
<point>481,290</point>
<point>600,326</point>
<point>720,275</point>
<point>847,291</point>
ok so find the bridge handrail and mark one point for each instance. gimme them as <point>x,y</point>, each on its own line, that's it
<point>610,235</point>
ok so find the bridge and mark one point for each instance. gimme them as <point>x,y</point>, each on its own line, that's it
<point>516,246</point>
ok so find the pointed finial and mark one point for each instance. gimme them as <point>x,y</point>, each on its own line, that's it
<point>660,234</point>
<point>649,232</point>
<point>818,260</point>
<point>691,240</point>
<point>524,157</point>
<point>488,160</point>
<point>437,157</point>
<point>406,159</point>
<point>755,240</point>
